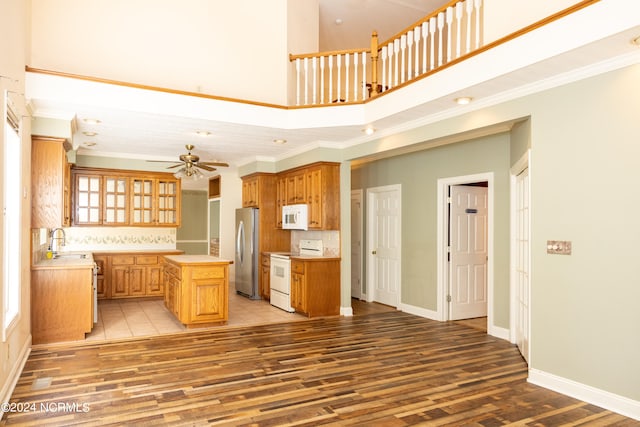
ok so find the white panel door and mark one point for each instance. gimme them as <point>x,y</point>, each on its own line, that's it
<point>384,244</point>
<point>356,244</point>
<point>522,263</point>
<point>468,252</point>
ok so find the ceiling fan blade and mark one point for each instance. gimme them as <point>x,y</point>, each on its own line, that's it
<point>214,164</point>
<point>205,167</point>
<point>162,161</point>
<point>175,166</point>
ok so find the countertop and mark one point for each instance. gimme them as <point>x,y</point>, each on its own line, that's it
<point>293,255</point>
<point>68,260</point>
<point>197,259</point>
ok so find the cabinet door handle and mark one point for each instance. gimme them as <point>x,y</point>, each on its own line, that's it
<point>373,252</point>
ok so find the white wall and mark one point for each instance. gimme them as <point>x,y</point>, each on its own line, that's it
<point>226,48</point>
<point>503,17</point>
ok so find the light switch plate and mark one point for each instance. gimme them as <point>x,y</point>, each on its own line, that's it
<point>559,247</point>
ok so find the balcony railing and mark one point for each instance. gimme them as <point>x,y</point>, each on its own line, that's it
<point>353,76</point>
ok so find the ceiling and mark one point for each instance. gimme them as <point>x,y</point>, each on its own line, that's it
<point>133,127</point>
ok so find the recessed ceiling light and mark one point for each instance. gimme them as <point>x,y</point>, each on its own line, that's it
<point>338,21</point>
<point>89,143</point>
<point>463,100</point>
<point>203,133</point>
<point>87,133</point>
<point>636,41</point>
<point>368,130</point>
<point>91,121</point>
<point>280,141</point>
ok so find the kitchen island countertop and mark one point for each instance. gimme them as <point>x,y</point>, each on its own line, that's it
<point>197,259</point>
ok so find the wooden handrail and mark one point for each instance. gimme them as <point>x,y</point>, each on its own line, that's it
<point>293,57</point>
<point>419,22</point>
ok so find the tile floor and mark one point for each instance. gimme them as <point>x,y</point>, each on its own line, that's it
<point>138,317</point>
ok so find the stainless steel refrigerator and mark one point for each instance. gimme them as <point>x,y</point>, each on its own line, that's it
<point>246,262</point>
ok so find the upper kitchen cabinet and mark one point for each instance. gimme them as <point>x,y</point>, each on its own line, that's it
<point>155,201</point>
<point>125,198</point>
<point>318,186</point>
<point>251,190</point>
<point>50,183</point>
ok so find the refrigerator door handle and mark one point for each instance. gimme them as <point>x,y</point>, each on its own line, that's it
<point>240,242</point>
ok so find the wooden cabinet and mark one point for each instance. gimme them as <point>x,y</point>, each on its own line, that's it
<point>154,202</point>
<point>251,192</point>
<point>296,188</point>
<point>318,186</point>
<point>50,183</point>
<point>101,266</point>
<point>315,286</point>
<point>61,304</point>
<point>198,289</point>
<point>110,197</point>
<point>265,271</point>
<point>128,274</point>
<point>259,190</point>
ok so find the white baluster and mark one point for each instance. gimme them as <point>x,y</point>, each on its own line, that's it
<point>383,56</point>
<point>355,76</point>
<point>406,47</point>
<point>322,80</point>
<point>449,41</point>
<point>396,51</point>
<point>339,82</point>
<point>469,8</point>
<point>297,81</point>
<point>416,39</point>
<point>330,79</point>
<point>425,35</point>
<point>364,74</point>
<point>314,66</point>
<point>409,57</point>
<point>459,12</point>
<point>478,6</point>
<point>432,32</point>
<point>306,81</point>
<point>390,55</point>
<point>440,41</point>
<point>346,77</point>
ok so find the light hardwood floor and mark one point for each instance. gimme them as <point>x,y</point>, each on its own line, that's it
<point>372,369</point>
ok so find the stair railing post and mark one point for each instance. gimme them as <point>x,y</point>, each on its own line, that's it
<point>374,64</point>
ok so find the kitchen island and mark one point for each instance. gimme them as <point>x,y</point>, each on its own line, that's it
<point>197,289</point>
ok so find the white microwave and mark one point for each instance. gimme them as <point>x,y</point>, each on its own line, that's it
<point>294,217</point>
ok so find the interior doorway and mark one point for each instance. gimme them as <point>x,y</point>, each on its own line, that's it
<point>473,276</point>
<point>356,244</point>
<point>384,222</point>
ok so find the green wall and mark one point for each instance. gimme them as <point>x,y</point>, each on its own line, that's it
<point>585,145</point>
<point>418,174</point>
<point>194,223</point>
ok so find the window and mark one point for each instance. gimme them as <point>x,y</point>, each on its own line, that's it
<point>12,180</point>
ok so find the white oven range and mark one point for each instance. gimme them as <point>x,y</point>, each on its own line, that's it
<point>280,273</point>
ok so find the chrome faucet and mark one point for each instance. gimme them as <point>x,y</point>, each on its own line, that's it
<point>54,239</point>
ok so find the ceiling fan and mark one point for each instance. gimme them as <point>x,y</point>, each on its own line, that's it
<point>190,164</point>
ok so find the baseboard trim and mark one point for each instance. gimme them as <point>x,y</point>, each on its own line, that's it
<point>346,311</point>
<point>607,400</point>
<point>419,311</point>
<point>498,332</point>
<point>14,375</point>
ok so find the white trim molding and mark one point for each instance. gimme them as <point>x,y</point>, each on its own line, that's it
<point>14,375</point>
<point>346,311</point>
<point>610,401</point>
<point>418,311</point>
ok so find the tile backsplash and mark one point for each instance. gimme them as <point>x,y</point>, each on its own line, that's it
<point>119,238</point>
<point>330,240</point>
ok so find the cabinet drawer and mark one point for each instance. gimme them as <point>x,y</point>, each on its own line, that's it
<point>297,267</point>
<point>208,273</point>
<point>146,260</point>
<point>173,270</point>
<point>123,260</point>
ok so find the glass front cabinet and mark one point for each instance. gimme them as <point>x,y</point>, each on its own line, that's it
<point>125,198</point>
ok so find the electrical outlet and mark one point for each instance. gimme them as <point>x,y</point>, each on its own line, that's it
<point>559,247</point>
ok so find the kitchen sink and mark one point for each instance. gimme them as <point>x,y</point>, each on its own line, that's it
<point>73,256</point>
